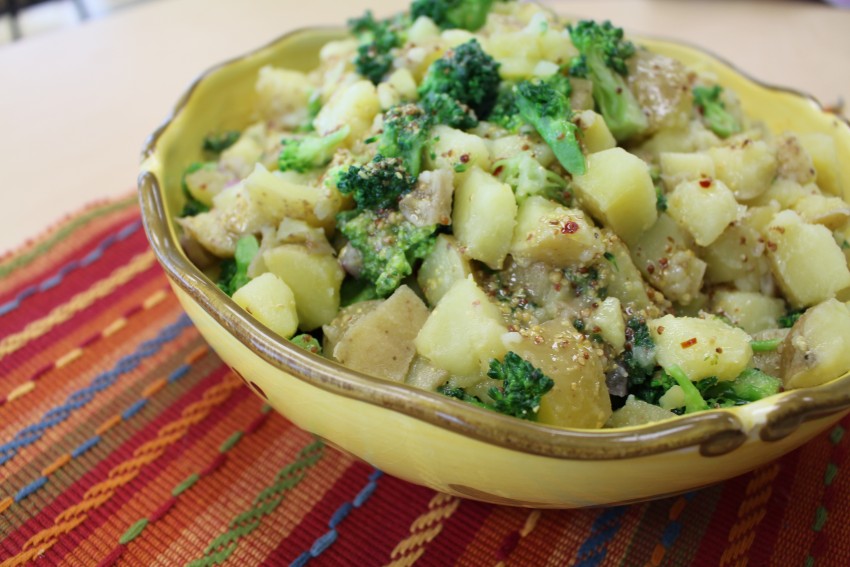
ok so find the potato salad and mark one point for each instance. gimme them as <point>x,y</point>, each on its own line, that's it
<point>534,216</point>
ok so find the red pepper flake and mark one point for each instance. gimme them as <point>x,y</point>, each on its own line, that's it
<point>719,350</point>
<point>660,329</point>
<point>689,343</point>
<point>705,182</point>
<point>663,262</point>
<point>650,268</point>
<point>498,170</point>
<point>771,246</point>
<point>464,158</point>
<point>570,227</point>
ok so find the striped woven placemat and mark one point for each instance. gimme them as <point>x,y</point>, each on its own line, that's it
<point>124,440</point>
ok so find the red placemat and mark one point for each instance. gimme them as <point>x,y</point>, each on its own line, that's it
<point>124,440</point>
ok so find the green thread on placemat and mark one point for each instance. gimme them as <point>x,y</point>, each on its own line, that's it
<point>133,531</point>
<point>230,442</point>
<point>830,474</point>
<point>186,484</point>
<point>821,516</point>
<point>836,435</point>
<point>61,234</point>
<point>263,504</point>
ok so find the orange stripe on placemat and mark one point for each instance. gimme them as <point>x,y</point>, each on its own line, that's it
<point>63,312</point>
<point>423,530</point>
<point>126,471</point>
<point>750,512</point>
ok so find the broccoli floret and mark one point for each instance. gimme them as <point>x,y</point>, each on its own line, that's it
<point>406,128</point>
<point>462,395</point>
<point>443,109</point>
<point>234,271</point>
<point>466,14</point>
<point>523,387</point>
<point>708,103</point>
<point>468,75</point>
<point>787,321</point>
<point>751,385</point>
<point>376,185</point>
<point>602,59</point>
<point>545,107</point>
<point>311,151</point>
<point>192,206</point>
<point>377,40</point>
<point>217,143</point>
<point>389,243</point>
<point>505,112</point>
<point>354,291</point>
<point>528,177</point>
<point>307,342</point>
<point>638,362</point>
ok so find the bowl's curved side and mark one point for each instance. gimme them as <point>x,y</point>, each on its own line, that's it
<point>222,99</point>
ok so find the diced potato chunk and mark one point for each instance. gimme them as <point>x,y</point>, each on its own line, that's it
<point>424,375</point>
<point>456,150</point>
<point>831,212</point>
<point>464,332</point>
<point>700,347</point>
<point>483,218</point>
<point>314,279</point>
<point>579,397</point>
<point>550,233</point>
<point>637,412</point>
<point>821,148</point>
<point>355,105</point>
<point>595,133</point>
<point>747,167</point>
<point>608,319</point>
<point>445,265</point>
<point>625,281</point>
<point>806,261</point>
<point>817,349</point>
<point>704,208</point>
<point>271,302</point>
<point>618,191</point>
<point>283,96</point>
<point>380,342</point>
<point>280,198</point>
<point>749,310</point>
<point>738,255</point>
<point>677,167</point>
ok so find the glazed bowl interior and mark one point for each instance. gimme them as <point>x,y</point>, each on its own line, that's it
<point>223,98</point>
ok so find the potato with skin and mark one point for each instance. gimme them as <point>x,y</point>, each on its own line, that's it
<point>380,342</point>
<point>637,412</point>
<point>700,347</point>
<point>817,349</point>
<point>579,397</point>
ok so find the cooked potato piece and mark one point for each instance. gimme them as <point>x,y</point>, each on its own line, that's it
<point>445,265</point>
<point>248,149</point>
<point>795,163</point>
<point>380,342</point>
<point>747,166</point>
<point>637,412</point>
<point>344,320</point>
<point>509,146</point>
<point>271,302</point>
<point>207,181</point>
<point>355,105</point>
<point>749,310</point>
<point>700,347</point>
<point>704,208</point>
<point>618,191</point>
<point>608,319</point>
<point>314,279</point>
<point>579,397</point>
<point>831,212</point>
<point>677,167</point>
<point>483,218</point>
<point>283,96</point>
<point>817,349</point>
<point>430,202</point>
<point>738,255</point>
<point>806,261</point>
<point>456,150</point>
<point>424,375</point>
<point>784,192</point>
<point>625,281</point>
<point>595,133</point>
<point>824,155</point>
<point>280,198</point>
<point>662,87</point>
<point>464,331</point>
<point>550,233</point>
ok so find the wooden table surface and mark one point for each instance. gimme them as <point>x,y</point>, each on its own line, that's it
<point>76,105</point>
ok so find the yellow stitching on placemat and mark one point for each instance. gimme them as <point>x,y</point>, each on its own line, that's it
<point>77,303</point>
<point>750,513</point>
<point>423,530</point>
<point>21,390</point>
<point>126,471</point>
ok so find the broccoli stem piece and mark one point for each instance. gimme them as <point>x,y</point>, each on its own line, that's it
<point>707,101</point>
<point>753,384</point>
<point>311,151</point>
<point>527,177</point>
<point>603,55</point>
<point>523,386</point>
<point>234,272</point>
<point>768,345</point>
<point>548,110</point>
<point>693,399</point>
<point>192,206</point>
<point>307,342</point>
<point>466,14</point>
<point>467,74</point>
<point>217,143</point>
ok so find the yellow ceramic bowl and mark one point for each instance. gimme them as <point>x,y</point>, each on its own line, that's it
<point>437,441</point>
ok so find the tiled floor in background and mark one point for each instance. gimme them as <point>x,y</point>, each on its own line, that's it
<point>56,14</point>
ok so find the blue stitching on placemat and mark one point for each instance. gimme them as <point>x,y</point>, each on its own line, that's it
<point>80,398</point>
<point>324,541</point>
<point>57,278</point>
<point>594,549</point>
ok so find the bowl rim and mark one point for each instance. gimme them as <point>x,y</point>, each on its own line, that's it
<point>713,432</point>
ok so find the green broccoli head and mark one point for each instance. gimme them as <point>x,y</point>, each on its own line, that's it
<point>505,112</point>
<point>467,74</point>
<point>603,59</point>
<point>311,151</point>
<point>522,389</point>
<point>708,103</point>
<point>377,185</point>
<point>443,109</point>
<point>377,40</point>
<point>388,243</point>
<point>466,14</point>
<point>528,177</point>
<point>406,128</point>
<point>543,105</point>
<point>234,271</point>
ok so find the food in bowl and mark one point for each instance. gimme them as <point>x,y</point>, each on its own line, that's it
<point>541,219</point>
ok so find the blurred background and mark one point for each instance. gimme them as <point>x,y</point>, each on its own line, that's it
<point>21,19</point>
